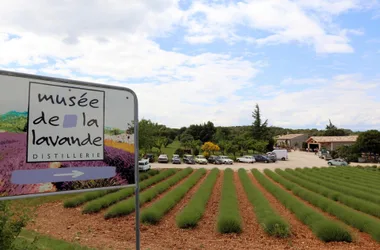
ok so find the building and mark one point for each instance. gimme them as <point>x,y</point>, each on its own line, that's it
<point>291,140</point>
<point>330,142</point>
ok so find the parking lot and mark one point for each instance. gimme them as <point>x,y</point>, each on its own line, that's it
<point>297,159</point>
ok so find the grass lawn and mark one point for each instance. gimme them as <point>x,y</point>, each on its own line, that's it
<point>27,238</point>
<point>168,150</point>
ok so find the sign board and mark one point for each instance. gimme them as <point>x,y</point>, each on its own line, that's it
<point>60,136</point>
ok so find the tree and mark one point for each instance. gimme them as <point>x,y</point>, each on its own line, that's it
<point>349,153</point>
<point>260,129</point>
<point>210,147</point>
<point>159,142</point>
<point>180,132</point>
<point>332,130</point>
<point>204,132</point>
<point>147,134</point>
<point>222,134</point>
<point>369,142</point>
<point>232,149</point>
<point>260,146</point>
<point>244,142</point>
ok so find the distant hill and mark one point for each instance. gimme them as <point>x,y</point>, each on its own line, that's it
<point>13,121</point>
<point>13,114</point>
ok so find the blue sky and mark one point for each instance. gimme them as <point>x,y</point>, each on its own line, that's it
<point>303,61</point>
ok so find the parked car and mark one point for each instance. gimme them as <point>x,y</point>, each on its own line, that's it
<point>163,158</point>
<point>215,160</point>
<point>262,158</point>
<point>176,159</point>
<point>212,158</point>
<point>144,165</point>
<point>272,156</point>
<point>188,159</point>
<point>150,157</point>
<point>337,162</point>
<point>246,159</point>
<point>226,160</point>
<point>281,154</point>
<point>200,159</point>
<point>218,161</point>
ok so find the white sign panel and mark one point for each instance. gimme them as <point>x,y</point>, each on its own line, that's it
<point>65,123</point>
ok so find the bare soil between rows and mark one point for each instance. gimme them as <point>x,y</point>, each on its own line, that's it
<point>119,233</point>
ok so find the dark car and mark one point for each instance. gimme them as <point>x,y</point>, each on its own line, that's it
<point>176,159</point>
<point>188,159</point>
<point>272,156</point>
<point>212,158</point>
<point>262,158</point>
<point>150,157</point>
<point>218,161</point>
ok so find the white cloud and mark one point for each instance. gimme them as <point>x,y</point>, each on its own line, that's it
<point>348,100</point>
<point>112,44</point>
<point>307,22</point>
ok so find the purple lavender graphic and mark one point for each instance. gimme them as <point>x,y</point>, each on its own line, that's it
<point>70,121</point>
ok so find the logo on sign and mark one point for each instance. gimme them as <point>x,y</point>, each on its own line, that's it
<point>65,123</point>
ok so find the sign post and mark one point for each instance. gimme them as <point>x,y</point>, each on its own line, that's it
<point>61,136</point>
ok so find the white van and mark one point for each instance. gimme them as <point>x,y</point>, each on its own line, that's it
<point>282,154</point>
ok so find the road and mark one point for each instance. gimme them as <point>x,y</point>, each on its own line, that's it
<point>297,159</point>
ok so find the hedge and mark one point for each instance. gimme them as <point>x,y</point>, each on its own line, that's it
<point>85,197</point>
<point>154,213</point>
<point>107,200</point>
<point>343,174</point>
<point>343,181</point>
<point>373,176</point>
<point>351,201</point>
<point>128,206</point>
<point>193,211</point>
<point>272,223</point>
<point>361,221</point>
<point>325,229</point>
<point>229,218</point>
<point>149,173</point>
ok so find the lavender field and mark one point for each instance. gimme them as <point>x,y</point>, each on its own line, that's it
<point>13,157</point>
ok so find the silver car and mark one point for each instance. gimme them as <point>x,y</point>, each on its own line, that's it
<point>337,162</point>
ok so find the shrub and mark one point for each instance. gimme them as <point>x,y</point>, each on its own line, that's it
<point>83,198</point>
<point>361,221</point>
<point>344,174</point>
<point>358,204</point>
<point>107,200</point>
<point>229,219</point>
<point>154,213</point>
<point>180,152</point>
<point>337,179</point>
<point>196,151</point>
<point>193,212</point>
<point>149,173</point>
<point>11,224</point>
<point>128,206</point>
<point>153,172</point>
<point>316,221</point>
<point>271,222</point>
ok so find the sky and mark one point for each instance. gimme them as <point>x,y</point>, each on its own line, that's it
<point>303,61</point>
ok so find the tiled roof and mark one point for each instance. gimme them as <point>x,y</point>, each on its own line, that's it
<point>351,138</point>
<point>288,136</point>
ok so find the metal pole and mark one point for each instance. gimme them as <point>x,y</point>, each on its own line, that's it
<point>137,188</point>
